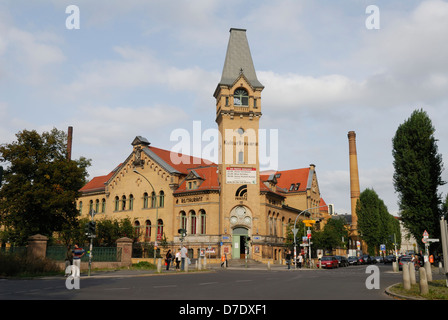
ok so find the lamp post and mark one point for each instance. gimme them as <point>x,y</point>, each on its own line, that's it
<point>157,211</point>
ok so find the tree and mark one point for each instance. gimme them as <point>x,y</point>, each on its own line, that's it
<point>417,177</point>
<point>40,185</point>
<point>374,221</point>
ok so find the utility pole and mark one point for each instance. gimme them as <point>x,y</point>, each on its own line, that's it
<point>91,235</point>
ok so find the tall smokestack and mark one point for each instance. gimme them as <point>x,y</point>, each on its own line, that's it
<point>69,143</point>
<point>354,177</point>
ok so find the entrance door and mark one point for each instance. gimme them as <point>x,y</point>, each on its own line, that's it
<point>238,248</point>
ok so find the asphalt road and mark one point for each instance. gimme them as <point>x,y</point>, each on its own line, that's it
<point>339,284</point>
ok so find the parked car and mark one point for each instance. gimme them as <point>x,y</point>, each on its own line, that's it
<point>353,260</point>
<point>329,262</point>
<point>368,259</point>
<point>389,259</point>
<point>379,259</point>
<point>342,261</point>
<point>402,260</point>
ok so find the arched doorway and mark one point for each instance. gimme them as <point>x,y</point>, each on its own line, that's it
<point>239,236</point>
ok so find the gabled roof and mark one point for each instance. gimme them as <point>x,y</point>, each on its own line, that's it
<point>238,60</point>
<point>98,184</point>
<point>175,162</point>
<point>209,176</point>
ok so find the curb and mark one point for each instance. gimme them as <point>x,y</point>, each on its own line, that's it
<point>400,296</point>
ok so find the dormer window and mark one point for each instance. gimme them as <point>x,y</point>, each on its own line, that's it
<point>241,97</point>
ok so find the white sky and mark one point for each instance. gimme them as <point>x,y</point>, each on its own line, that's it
<point>143,67</point>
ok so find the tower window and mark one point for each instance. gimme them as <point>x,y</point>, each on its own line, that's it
<point>241,97</point>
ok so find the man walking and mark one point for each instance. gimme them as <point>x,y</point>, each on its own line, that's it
<point>78,253</point>
<point>183,257</point>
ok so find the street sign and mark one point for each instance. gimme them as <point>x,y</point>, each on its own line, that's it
<point>432,240</point>
<point>383,247</point>
<point>295,230</point>
<point>425,234</point>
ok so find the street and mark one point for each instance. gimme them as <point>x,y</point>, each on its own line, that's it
<point>278,284</point>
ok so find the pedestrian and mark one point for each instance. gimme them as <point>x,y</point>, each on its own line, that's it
<point>300,260</point>
<point>178,259</point>
<point>78,253</point>
<point>223,260</point>
<point>183,257</point>
<point>168,259</point>
<point>68,261</point>
<point>288,259</point>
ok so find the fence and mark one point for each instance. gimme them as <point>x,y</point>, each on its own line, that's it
<point>99,254</point>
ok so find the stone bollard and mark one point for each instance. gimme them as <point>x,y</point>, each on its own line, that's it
<point>428,271</point>
<point>395,266</point>
<point>406,278</point>
<point>186,265</point>
<point>199,263</point>
<point>441,271</point>
<point>159,265</point>
<point>412,273</point>
<point>423,281</point>
<point>269,265</point>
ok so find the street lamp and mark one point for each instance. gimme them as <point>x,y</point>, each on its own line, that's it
<point>157,211</point>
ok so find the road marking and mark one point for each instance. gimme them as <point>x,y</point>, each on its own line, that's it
<point>169,286</point>
<point>244,280</point>
<point>207,283</point>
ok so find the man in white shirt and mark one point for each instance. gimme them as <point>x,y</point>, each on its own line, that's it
<point>183,256</point>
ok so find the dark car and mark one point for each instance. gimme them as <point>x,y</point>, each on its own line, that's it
<point>367,259</point>
<point>329,262</point>
<point>343,262</point>
<point>402,260</point>
<point>389,259</point>
<point>352,260</point>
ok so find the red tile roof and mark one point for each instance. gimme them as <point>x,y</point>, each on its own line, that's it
<point>209,180</point>
<point>288,177</point>
<point>186,163</point>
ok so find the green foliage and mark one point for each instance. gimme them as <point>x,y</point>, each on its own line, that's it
<point>331,236</point>
<point>418,169</point>
<point>375,223</point>
<point>40,185</point>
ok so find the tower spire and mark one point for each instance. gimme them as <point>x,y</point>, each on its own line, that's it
<point>238,60</point>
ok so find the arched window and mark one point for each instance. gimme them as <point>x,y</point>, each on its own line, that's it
<point>162,199</point>
<point>148,230</point>
<point>103,205</point>
<point>80,207</point>
<point>117,203</point>
<point>240,97</point>
<point>131,202</point>
<point>145,200</point>
<point>123,203</point>
<point>193,222</point>
<point>153,200</point>
<point>137,229</point>
<point>183,220</point>
<point>203,221</point>
<point>90,206</point>
<point>97,205</point>
<point>159,229</point>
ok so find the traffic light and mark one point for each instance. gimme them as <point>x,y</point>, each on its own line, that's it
<point>92,227</point>
<point>182,232</point>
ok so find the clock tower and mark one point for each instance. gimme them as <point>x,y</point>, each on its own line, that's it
<point>238,111</point>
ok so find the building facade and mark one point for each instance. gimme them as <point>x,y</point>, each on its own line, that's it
<point>227,208</point>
